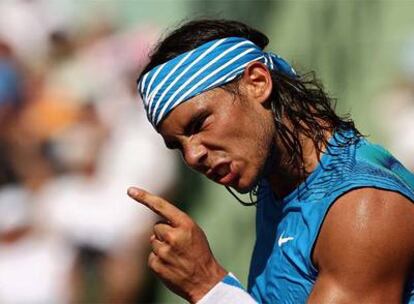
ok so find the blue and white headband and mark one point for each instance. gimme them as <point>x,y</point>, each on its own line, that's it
<point>208,66</point>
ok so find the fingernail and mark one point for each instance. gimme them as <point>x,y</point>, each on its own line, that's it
<point>132,191</point>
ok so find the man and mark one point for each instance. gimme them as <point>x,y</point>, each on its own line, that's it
<point>334,212</point>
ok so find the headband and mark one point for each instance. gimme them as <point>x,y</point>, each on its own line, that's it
<point>208,66</point>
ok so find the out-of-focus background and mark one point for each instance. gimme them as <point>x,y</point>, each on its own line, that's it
<point>73,134</point>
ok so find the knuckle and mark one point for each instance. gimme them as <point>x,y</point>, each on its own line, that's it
<point>164,252</point>
<point>155,229</point>
<point>153,262</point>
<point>151,259</point>
<point>169,237</point>
<point>160,235</point>
<point>158,204</point>
<point>188,223</point>
<point>155,268</point>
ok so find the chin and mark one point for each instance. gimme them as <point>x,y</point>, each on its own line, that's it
<point>249,181</point>
<point>245,187</point>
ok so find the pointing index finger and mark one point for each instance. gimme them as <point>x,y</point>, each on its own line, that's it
<point>157,204</point>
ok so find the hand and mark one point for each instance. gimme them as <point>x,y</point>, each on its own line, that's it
<point>180,255</point>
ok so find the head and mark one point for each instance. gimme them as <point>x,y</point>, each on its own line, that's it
<point>236,133</point>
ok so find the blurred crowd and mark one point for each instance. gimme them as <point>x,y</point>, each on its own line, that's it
<point>73,137</point>
<point>395,108</point>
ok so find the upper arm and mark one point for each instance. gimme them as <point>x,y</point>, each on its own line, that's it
<point>365,249</point>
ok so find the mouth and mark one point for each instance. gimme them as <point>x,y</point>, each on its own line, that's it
<point>223,174</point>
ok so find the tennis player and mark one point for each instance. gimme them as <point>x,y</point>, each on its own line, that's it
<point>335,213</point>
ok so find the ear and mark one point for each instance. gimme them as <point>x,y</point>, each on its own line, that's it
<point>257,81</point>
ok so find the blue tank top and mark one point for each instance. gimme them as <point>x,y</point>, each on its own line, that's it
<point>281,269</point>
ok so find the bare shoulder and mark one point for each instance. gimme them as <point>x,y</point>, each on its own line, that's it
<point>366,243</point>
<point>365,221</point>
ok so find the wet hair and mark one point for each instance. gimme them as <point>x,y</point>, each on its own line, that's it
<point>300,104</point>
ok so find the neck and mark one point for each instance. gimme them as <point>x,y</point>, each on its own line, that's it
<point>283,178</point>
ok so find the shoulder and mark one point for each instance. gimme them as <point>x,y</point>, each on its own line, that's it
<point>367,237</point>
<point>367,217</point>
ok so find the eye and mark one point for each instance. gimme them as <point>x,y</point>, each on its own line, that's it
<point>172,144</point>
<point>196,124</point>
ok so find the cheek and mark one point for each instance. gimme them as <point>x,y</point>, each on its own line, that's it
<point>257,148</point>
<point>245,133</point>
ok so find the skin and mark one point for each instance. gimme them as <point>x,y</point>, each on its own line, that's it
<point>365,250</point>
<point>205,132</point>
<point>360,259</point>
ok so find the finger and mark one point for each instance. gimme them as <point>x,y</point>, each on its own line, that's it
<point>163,232</point>
<point>153,262</point>
<point>158,266</point>
<point>163,251</point>
<point>158,205</point>
<point>156,246</point>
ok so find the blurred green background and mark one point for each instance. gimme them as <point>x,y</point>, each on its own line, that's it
<point>355,48</point>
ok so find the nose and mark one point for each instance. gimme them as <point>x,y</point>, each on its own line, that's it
<point>195,155</point>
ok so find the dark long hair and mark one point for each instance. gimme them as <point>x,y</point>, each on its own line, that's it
<point>300,100</point>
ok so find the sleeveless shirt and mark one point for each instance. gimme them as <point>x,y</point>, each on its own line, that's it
<point>281,269</point>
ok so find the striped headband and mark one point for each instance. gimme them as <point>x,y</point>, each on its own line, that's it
<point>208,66</point>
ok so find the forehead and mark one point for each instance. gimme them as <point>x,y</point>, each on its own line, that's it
<point>180,116</point>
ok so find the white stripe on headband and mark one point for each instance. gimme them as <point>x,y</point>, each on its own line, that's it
<point>183,73</point>
<point>210,65</point>
<point>188,81</point>
<point>190,90</point>
<point>151,97</point>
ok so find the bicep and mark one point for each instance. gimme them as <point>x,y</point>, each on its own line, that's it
<point>364,252</point>
<point>330,288</point>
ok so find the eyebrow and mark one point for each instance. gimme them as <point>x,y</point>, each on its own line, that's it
<point>173,144</point>
<point>194,120</point>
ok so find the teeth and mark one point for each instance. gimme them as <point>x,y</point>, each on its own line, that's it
<point>223,170</point>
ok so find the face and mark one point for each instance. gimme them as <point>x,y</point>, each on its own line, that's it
<point>226,137</point>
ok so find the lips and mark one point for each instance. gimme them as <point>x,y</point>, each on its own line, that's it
<point>228,179</point>
<point>222,173</point>
<point>222,170</point>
